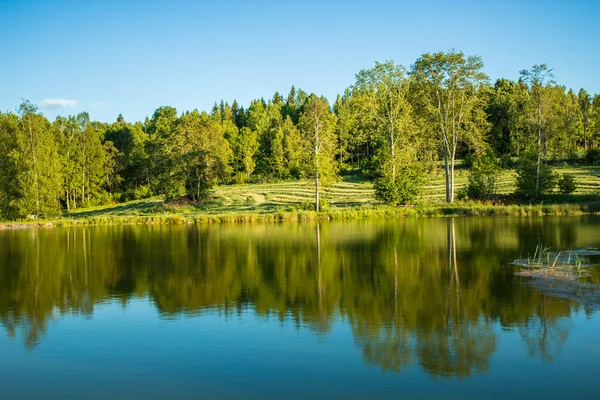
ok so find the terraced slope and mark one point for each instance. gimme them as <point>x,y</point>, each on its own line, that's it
<point>349,193</point>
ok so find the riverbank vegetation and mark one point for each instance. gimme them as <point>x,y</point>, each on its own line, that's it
<point>436,136</point>
<point>350,198</point>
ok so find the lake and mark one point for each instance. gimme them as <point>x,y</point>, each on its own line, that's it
<point>408,308</point>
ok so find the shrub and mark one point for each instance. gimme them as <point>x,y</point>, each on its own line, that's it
<point>404,189</point>
<point>506,162</point>
<point>592,156</point>
<point>526,178</point>
<point>469,160</point>
<point>566,183</point>
<point>310,205</point>
<point>141,192</point>
<point>482,178</point>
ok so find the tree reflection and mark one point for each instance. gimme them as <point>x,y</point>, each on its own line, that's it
<point>414,291</point>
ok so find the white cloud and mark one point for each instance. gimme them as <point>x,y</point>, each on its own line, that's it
<point>57,103</point>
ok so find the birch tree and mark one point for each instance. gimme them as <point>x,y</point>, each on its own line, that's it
<point>449,93</point>
<point>383,96</point>
<point>536,79</point>
<point>317,125</point>
<point>585,105</point>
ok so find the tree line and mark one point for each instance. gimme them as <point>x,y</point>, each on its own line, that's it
<point>392,124</point>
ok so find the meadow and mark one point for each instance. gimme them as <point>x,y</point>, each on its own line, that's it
<point>351,197</point>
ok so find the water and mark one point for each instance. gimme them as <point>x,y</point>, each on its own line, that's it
<point>413,308</point>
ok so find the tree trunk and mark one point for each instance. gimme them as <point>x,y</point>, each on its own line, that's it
<point>316,166</point>
<point>68,205</point>
<point>317,188</point>
<point>585,136</point>
<point>452,180</point>
<point>393,151</point>
<point>539,146</point>
<point>447,170</point>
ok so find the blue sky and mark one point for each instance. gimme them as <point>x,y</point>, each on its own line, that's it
<point>110,57</point>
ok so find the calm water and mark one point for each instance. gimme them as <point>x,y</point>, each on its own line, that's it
<point>415,308</point>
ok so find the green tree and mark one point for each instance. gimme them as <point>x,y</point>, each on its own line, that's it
<point>382,92</point>
<point>65,131</point>
<point>534,179</point>
<point>9,164</point>
<point>585,105</point>
<point>161,130</point>
<point>39,175</point>
<point>91,158</point>
<point>594,121</point>
<point>132,164</point>
<point>506,111</point>
<point>292,149</point>
<point>317,125</point>
<point>536,79</point>
<point>450,92</point>
<point>244,145</point>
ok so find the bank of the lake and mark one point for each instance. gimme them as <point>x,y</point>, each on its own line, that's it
<point>185,216</point>
<point>351,198</point>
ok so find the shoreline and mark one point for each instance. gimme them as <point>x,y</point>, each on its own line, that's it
<point>382,212</point>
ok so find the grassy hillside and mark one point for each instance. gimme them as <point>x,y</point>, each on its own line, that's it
<point>347,199</point>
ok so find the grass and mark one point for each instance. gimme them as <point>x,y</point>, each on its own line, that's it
<point>571,274</point>
<point>350,198</point>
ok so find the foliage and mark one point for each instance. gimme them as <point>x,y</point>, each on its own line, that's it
<point>527,175</point>
<point>138,193</point>
<point>382,96</point>
<point>450,93</point>
<point>482,178</point>
<point>592,156</point>
<point>566,183</point>
<point>506,162</point>
<point>403,189</point>
<point>317,126</point>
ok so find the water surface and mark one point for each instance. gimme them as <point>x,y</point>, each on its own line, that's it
<point>412,308</point>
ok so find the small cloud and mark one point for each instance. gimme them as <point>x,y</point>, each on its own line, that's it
<point>96,104</point>
<point>57,103</point>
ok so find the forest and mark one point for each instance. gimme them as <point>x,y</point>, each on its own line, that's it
<point>393,125</point>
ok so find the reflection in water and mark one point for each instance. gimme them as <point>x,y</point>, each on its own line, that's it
<point>431,292</point>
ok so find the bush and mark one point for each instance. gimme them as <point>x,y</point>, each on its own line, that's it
<point>526,178</point>
<point>469,160</point>
<point>310,205</point>
<point>506,162</point>
<point>141,192</point>
<point>482,178</point>
<point>592,156</point>
<point>404,189</point>
<point>566,183</point>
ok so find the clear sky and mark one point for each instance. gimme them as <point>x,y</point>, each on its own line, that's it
<point>130,57</point>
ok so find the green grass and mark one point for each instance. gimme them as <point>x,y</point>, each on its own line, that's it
<point>350,198</point>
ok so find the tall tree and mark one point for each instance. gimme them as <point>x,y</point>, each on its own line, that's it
<point>382,92</point>
<point>595,121</point>
<point>317,125</point>
<point>244,144</point>
<point>585,105</point>
<point>9,164</point>
<point>38,178</point>
<point>450,95</point>
<point>506,109</point>
<point>536,79</point>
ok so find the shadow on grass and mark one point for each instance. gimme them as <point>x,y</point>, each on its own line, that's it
<point>116,210</point>
<point>556,198</point>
